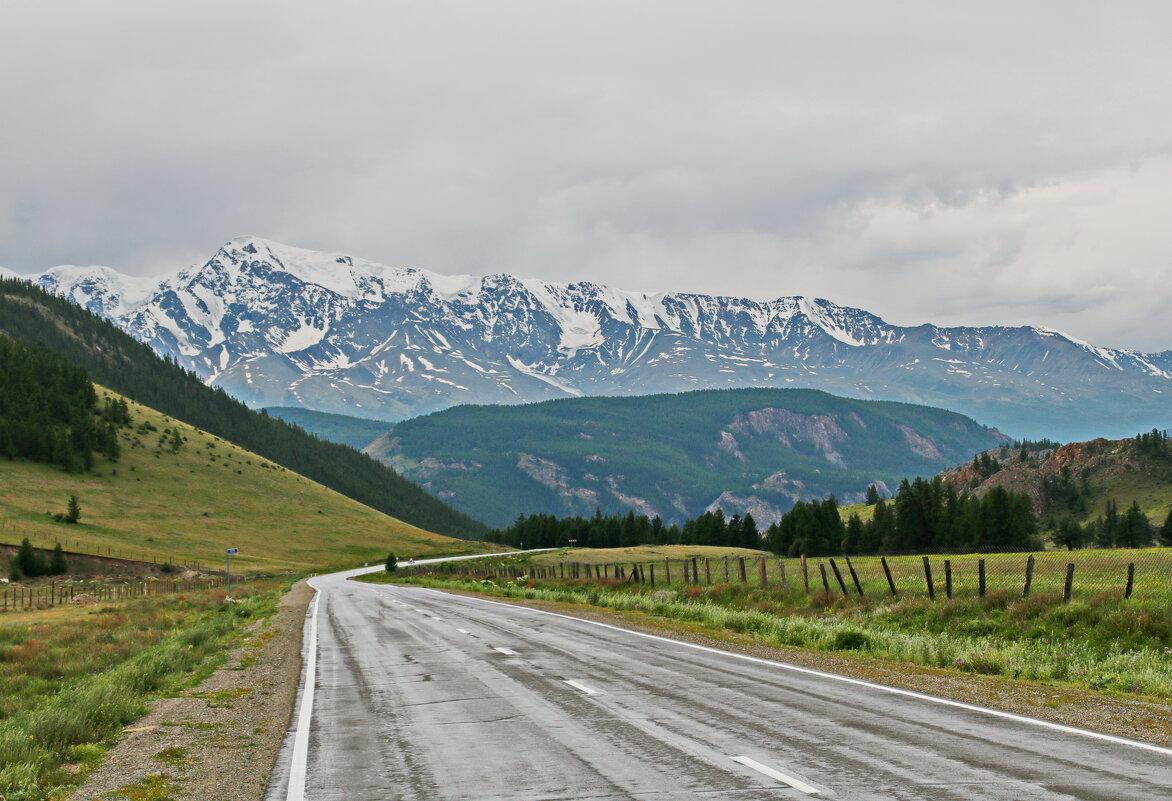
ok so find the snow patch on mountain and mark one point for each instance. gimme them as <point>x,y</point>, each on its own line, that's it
<point>276,324</point>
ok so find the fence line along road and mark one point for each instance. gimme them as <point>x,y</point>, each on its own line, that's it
<point>1144,574</point>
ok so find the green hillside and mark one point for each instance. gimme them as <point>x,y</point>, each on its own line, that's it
<point>357,432</point>
<point>187,502</point>
<point>1076,481</point>
<point>747,450</point>
<point>113,359</point>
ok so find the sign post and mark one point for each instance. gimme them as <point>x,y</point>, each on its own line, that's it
<point>228,565</point>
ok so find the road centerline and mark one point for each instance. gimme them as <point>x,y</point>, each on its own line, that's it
<point>773,773</point>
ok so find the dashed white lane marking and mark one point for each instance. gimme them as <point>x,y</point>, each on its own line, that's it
<point>420,611</point>
<point>795,783</point>
<point>299,760</point>
<point>506,651</point>
<point>581,687</point>
<point>1045,724</point>
<point>463,631</point>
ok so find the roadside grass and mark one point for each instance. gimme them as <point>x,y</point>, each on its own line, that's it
<point>190,504</point>
<point>1098,641</point>
<point>68,686</point>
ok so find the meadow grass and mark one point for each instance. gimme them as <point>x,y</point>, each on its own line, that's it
<point>189,505</point>
<point>1098,641</point>
<point>69,683</point>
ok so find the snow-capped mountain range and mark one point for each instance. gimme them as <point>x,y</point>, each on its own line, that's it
<point>281,326</point>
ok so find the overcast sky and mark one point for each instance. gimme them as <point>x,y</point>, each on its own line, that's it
<point>1006,164</point>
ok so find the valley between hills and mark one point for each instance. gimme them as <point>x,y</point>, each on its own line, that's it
<point>164,489</point>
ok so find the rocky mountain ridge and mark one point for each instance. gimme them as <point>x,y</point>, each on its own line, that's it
<point>280,326</point>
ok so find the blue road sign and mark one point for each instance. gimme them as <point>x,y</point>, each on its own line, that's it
<point>232,550</point>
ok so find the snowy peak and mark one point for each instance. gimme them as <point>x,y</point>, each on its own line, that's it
<point>102,290</point>
<point>277,325</point>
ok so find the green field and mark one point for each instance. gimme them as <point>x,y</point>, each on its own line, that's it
<point>187,506</point>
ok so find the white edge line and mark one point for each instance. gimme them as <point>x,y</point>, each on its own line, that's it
<point>581,687</point>
<point>797,784</point>
<point>298,762</point>
<point>1110,738</point>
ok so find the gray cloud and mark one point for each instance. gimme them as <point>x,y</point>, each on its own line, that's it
<point>1007,163</point>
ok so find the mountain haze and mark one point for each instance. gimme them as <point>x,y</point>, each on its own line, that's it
<point>280,326</point>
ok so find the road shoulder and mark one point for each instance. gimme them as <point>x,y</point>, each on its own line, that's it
<point>218,740</point>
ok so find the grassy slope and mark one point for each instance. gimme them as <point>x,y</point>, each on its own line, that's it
<point>1112,469</point>
<point>114,359</point>
<point>186,506</point>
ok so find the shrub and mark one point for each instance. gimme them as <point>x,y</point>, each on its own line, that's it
<point>851,641</point>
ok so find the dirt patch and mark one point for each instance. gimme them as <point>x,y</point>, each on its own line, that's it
<point>218,740</point>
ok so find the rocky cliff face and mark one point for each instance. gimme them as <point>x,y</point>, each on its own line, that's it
<point>280,326</point>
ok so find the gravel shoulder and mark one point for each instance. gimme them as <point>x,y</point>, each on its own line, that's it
<point>218,740</point>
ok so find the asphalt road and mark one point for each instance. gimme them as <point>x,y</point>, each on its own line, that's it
<point>422,695</point>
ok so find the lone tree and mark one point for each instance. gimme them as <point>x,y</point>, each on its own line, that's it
<point>392,563</point>
<point>74,513</point>
<point>57,565</point>
<point>1166,531</point>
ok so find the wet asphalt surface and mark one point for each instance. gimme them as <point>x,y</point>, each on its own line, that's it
<point>422,695</point>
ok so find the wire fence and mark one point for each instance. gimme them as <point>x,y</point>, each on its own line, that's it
<point>61,593</point>
<point>1142,574</point>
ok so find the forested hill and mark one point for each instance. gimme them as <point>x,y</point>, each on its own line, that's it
<point>114,359</point>
<point>744,451</point>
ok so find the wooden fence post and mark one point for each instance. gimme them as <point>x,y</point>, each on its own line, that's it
<point>741,565</point>
<point>761,568</point>
<point>825,582</point>
<point>667,572</point>
<point>805,574</point>
<point>948,577</point>
<point>707,571</point>
<point>685,571</point>
<point>928,578</point>
<point>695,572</point>
<point>854,576</point>
<point>652,566</point>
<point>1068,587</point>
<point>1130,580</point>
<point>726,568</point>
<point>890,578</point>
<point>838,577</point>
<point>1029,580</point>
<point>981,577</point>
<point>784,580</point>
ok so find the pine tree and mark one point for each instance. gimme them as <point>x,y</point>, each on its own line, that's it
<point>73,515</point>
<point>26,563</point>
<point>1166,531</point>
<point>57,565</point>
<point>872,495</point>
